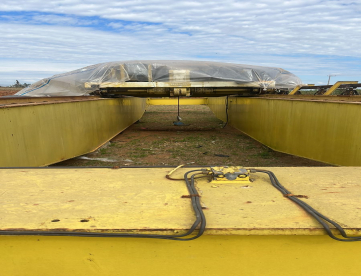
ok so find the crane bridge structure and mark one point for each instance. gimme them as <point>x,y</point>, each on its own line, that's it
<point>215,220</point>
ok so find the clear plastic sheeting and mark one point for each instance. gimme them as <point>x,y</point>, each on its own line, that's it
<point>84,81</point>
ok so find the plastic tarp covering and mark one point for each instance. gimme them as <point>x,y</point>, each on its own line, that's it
<point>73,83</point>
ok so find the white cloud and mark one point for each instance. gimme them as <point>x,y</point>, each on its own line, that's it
<point>307,37</point>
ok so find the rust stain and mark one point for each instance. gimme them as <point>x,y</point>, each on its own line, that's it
<point>67,99</point>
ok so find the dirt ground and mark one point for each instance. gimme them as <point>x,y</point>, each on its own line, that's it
<point>8,91</point>
<point>155,141</point>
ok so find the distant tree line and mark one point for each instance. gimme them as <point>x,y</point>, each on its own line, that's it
<point>17,84</point>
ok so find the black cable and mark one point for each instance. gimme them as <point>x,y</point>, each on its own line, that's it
<point>200,217</point>
<point>195,202</point>
<point>314,213</point>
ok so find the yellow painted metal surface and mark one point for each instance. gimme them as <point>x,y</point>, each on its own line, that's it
<point>174,101</point>
<point>252,229</point>
<point>229,175</point>
<point>34,134</point>
<point>337,85</point>
<point>21,100</point>
<point>211,255</point>
<point>218,107</point>
<point>328,92</point>
<point>327,131</point>
<point>331,98</point>
<point>295,90</point>
<point>144,200</point>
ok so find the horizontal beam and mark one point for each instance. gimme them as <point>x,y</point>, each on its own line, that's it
<point>174,101</point>
<point>217,255</point>
<point>24,100</point>
<point>244,222</point>
<point>127,200</point>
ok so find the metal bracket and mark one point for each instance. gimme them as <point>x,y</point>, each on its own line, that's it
<point>229,174</point>
<point>321,91</point>
<point>180,92</point>
<point>349,91</point>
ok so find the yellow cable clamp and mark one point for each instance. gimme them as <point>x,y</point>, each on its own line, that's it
<point>229,174</point>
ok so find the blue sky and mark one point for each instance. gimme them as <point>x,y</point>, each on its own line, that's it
<point>310,38</point>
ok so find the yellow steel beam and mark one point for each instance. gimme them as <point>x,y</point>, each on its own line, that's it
<point>297,88</point>
<point>294,91</point>
<point>35,134</point>
<point>338,98</point>
<point>246,224</point>
<point>328,92</point>
<point>211,255</point>
<point>337,85</point>
<point>174,101</point>
<point>218,106</point>
<point>326,131</point>
<point>21,100</point>
<point>143,200</point>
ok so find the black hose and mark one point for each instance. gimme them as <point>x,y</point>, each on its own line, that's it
<point>315,214</point>
<point>200,217</point>
<point>195,201</point>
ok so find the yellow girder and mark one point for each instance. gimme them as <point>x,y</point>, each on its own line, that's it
<point>174,101</point>
<point>326,131</point>
<point>251,228</point>
<point>39,133</point>
<point>337,85</point>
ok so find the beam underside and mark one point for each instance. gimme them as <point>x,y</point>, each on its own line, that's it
<point>329,132</point>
